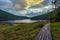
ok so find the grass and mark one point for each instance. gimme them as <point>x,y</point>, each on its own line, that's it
<point>20,31</point>
<point>55,30</point>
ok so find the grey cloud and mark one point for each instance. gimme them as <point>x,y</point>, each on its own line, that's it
<point>19,2</point>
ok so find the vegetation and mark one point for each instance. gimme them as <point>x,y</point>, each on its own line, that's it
<point>19,31</point>
<point>49,16</point>
<point>55,14</point>
<point>55,30</point>
<point>55,27</point>
<point>8,16</point>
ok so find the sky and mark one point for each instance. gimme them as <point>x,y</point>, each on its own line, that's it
<point>27,8</point>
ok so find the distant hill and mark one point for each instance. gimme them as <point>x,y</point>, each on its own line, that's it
<point>8,16</point>
<point>40,17</point>
<point>51,15</point>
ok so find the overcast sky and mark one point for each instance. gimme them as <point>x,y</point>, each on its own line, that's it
<point>26,7</point>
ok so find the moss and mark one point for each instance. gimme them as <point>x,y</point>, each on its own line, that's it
<point>20,31</point>
<point>55,30</point>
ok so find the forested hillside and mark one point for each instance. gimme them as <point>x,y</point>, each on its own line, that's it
<point>8,16</point>
<point>49,16</point>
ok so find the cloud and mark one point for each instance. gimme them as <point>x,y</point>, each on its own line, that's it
<point>25,4</point>
<point>5,3</point>
<point>23,12</point>
<point>36,10</point>
<point>29,3</point>
<point>18,7</point>
<point>18,4</point>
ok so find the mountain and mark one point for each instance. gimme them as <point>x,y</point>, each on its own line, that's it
<point>44,16</point>
<point>51,15</point>
<point>40,17</point>
<point>8,16</point>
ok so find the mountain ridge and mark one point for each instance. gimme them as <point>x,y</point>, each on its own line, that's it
<point>8,16</point>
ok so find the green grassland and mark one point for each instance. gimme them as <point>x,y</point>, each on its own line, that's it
<point>55,30</point>
<point>20,31</point>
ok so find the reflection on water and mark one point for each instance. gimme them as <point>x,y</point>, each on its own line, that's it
<point>20,21</point>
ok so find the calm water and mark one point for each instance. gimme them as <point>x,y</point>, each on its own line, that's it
<point>21,21</point>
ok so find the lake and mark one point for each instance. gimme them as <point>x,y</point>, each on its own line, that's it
<point>20,21</point>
